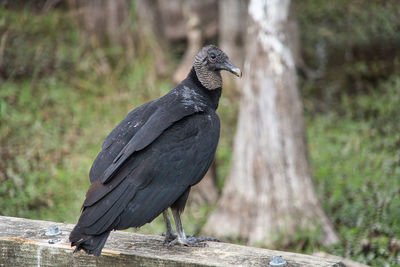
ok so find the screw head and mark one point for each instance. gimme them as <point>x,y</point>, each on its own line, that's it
<point>277,261</point>
<point>53,230</point>
<point>54,240</point>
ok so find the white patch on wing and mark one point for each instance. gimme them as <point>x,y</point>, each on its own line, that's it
<point>191,98</point>
<point>135,125</point>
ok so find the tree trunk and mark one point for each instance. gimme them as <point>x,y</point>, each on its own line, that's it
<point>195,40</point>
<point>199,18</point>
<point>151,34</point>
<point>269,194</point>
<point>107,21</point>
<point>232,31</point>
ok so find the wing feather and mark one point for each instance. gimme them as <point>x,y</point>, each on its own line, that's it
<point>119,137</point>
<point>137,131</point>
<point>176,160</point>
<point>153,128</point>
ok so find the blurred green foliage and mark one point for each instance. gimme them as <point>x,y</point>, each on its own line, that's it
<point>347,46</point>
<point>61,93</point>
<point>355,159</point>
<point>350,88</point>
<point>33,46</point>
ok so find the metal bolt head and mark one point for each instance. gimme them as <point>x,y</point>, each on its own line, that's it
<point>277,261</point>
<point>53,230</point>
<point>54,240</point>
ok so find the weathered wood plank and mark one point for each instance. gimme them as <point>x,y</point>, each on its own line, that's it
<point>23,243</point>
<point>347,262</point>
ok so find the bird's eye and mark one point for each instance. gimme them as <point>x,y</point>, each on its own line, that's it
<point>213,56</point>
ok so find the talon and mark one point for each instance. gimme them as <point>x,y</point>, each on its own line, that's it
<point>173,242</point>
<point>192,241</point>
<point>169,237</point>
<point>182,239</point>
<point>208,238</point>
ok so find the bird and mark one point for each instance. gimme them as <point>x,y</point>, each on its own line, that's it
<point>151,159</point>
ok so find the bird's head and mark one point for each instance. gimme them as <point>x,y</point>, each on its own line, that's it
<point>209,62</point>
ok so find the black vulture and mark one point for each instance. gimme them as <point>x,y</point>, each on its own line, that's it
<point>149,162</point>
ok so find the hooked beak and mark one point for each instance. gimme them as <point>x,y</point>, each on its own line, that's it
<point>228,65</point>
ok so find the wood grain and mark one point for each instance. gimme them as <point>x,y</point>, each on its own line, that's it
<point>23,243</point>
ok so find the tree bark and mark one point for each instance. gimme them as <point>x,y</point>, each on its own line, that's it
<point>199,18</point>
<point>194,38</point>
<point>269,195</point>
<point>151,33</point>
<point>232,25</point>
<point>105,20</point>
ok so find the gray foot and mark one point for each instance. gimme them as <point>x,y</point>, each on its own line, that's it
<point>169,237</point>
<point>192,241</point>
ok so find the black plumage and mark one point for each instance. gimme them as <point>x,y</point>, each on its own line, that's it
<point>149,162</point>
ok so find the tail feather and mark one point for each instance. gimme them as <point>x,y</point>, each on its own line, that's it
<point>91,244</point>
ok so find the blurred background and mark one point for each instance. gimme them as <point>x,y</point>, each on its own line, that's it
<point>71,70</point>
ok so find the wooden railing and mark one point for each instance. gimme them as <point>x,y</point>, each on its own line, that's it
<point>23,242</point>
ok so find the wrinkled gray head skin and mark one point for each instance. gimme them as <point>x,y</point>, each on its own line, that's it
<point>209,62</point>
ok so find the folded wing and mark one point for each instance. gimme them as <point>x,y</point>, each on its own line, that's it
<point>153,179</point>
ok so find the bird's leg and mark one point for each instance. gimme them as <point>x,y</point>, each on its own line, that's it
<point>169,234</point>
<point>182,239</point>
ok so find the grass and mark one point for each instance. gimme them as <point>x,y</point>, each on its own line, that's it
<point>355,160</point>
<point>53,118</point>
<point>352,123</point>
